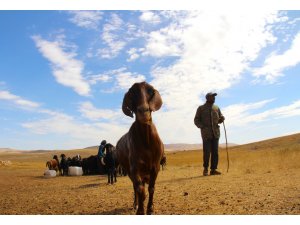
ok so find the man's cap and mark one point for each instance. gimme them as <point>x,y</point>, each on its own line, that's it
<point>210,94</point>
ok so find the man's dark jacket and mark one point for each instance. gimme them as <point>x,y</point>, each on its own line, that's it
<point>207,119</point>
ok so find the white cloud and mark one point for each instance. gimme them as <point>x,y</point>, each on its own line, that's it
<point>177,126</point>
<point>111,38</point>
<point>86,19</point>
<point>121,79</point>
<point>18,101</point>
<point>286,111</point>
<point>89,111</point>
<point>133,55</point>
<point>66,69</point>
<point>85,134</point>
<point>27,104</point>
<point>240,115</point>
<point>74,132</point>
<point>212,52</point>
<point>294,21</point>
<point>125,79</point>
<point>247,123</point>
<point>93,79</point>
<point>275,64</point>
<point>165,42</point>
<point>215,49</point>
<point>150,17</point>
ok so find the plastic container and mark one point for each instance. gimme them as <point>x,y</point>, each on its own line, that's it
<point>75,171</point>
<point>49,173</point>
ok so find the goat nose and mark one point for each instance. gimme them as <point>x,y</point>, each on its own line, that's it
<point>143,109</point>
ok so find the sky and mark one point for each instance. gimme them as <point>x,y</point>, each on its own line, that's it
<point>63,74</point>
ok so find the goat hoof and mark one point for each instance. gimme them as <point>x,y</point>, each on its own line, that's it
<point>150,210</point>
<point>140,212</point>
<point>135,206</point>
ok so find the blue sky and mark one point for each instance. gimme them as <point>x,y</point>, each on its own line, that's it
<point>63,74</point>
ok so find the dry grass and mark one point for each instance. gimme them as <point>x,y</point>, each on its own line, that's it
<point>264,178</point>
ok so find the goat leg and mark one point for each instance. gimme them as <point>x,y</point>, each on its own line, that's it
<point>151,189</point>
<point>140,197</point>
<point>115,174</point>
<point>135,200</point>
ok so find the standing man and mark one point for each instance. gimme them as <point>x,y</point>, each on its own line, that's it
<point>207,118</point>
<point>110,164</point>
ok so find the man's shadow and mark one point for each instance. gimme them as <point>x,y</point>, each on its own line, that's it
<point>118,211</point>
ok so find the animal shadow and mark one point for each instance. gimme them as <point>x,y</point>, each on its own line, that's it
<point>118,211</point>
<point>182,179</point>
<point>39,177</point>
<point>89,185</point>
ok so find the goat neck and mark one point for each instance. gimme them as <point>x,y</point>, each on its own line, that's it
<point>144,132</point>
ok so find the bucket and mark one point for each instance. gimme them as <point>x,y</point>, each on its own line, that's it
<point>75,171</point>
<point>49,173</point>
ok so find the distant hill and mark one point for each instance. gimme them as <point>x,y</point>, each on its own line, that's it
<point>183,146</point>
<point>168,147</point>
<point>9,150</point>
<point>284,141</point>
<point>178,146</point>
<point>92,147</point>
<point>5,149</point>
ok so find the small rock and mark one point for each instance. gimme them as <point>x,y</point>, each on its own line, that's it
<point>185,194</point>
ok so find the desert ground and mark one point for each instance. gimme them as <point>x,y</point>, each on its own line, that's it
<point>263,179</point>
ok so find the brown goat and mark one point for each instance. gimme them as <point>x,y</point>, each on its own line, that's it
<point>140,150</point>
<point>53,164</point>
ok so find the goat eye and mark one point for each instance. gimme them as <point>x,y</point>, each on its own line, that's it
<point>150,92</point>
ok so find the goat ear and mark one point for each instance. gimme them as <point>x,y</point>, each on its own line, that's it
<point>127,105</point>
<point>156,101</point>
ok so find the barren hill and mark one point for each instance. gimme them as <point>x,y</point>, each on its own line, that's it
<point>288,141</point>
<point>9,150</point>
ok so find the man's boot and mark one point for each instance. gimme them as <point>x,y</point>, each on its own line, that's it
<point>215,172</point>
<point>205,172</point>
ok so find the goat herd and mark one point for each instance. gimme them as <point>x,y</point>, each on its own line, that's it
<point>139,152</point>
<point>90,166</point>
